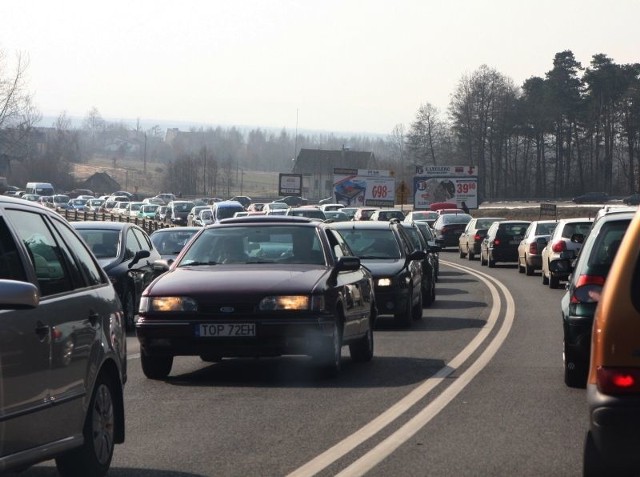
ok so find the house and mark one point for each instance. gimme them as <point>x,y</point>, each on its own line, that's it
<point>101,183</point>
<point>316,167</point>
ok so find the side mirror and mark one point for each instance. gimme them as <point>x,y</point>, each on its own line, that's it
<point>140,254</point>
<point>161,266</point>
<point>16,295</point>
<point>347,263</point>
<point>417,255</point>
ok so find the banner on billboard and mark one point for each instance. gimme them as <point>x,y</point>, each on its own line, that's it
<point>364,187</point>
<point>290,184</point>
<point>452,184</point>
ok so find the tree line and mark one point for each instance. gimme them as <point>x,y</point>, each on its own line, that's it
<point>572,130</point>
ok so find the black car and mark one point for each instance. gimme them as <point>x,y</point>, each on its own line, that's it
<point>243,199</point>
<point>178,212</point>
<point>579,303</point>
<point>428,262</point>
<point>591,198</point>
<point>63,363</point>
<point>127,254</point>
<point>259,286</point>
<point>386,250</point>
<point>501,242</point>
<point>448,227</point>
<point>293,201</point>
<point>427,233</point>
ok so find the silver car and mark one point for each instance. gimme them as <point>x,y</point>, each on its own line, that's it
<point>62,347</point>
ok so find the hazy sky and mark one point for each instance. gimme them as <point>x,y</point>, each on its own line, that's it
<point>332,65</point>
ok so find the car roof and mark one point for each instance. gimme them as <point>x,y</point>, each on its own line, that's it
<point>98,224</point>
<point>175,229</point>
<point>364,224</point>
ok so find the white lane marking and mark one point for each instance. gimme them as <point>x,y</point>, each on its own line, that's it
<point>345,446</point>
<point>390,444</point>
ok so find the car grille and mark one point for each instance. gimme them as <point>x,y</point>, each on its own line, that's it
<point>227,309</point>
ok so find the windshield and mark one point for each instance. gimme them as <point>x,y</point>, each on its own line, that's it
<point>248,244</point>
<point>372,244</point>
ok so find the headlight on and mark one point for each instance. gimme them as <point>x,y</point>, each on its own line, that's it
<point>167,303</point>
<point>293,302</point>
<point>384,282</point>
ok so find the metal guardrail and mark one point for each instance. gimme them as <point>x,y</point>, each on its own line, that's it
<point>149,225</point>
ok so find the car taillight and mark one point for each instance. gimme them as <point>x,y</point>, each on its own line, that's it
<point>588,289</point>
<point>444,229</point>
<point>533,248</point>
<point>618,380</point>
<point>559,246</point>
<point>477,237</point>
<point>496,242</point>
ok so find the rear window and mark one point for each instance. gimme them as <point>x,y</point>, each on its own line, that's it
<point>607,242</point>
<point>576,228</point>
<point>512,229</point>
<point>545,229</point>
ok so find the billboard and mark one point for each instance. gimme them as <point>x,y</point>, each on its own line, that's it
<point>290,184</point>
<point>364,187</point>
<point>452,184</point>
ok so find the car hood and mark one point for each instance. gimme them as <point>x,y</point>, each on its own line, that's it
<point>380,268</point>
<point>239,279</point>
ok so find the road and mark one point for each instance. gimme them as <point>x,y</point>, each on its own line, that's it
<point>474,389</point>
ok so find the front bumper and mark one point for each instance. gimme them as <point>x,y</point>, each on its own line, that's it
<point>390,301</point>
<point>273,336</point>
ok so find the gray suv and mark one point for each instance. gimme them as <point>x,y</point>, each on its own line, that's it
<point>62,347</point>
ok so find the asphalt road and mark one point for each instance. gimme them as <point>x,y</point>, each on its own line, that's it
<point>473,389</point>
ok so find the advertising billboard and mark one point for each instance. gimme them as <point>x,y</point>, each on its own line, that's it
<point>364,187</point>
<point>290,184</point>
<point>450,184</point>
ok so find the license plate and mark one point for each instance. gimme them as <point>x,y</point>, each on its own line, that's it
<point>226,330</point>
<point>514,242</point>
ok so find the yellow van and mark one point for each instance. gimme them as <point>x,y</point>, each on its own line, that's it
<point>613,387</point>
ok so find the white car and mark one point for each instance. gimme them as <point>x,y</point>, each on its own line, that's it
<point>326,207</point>
<point>562,247</point>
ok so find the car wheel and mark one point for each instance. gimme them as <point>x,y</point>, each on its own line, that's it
<point>545,279</point>
<point>554,281</point>
<point>403,318</point>
<point>470,255</point>
<point>575,372</point>
<point>528,269</point>
<point>128,307</point>
<point>490,261</point>
<point>155,367</point>
<point>461,254</point>
<point>361,351</point>
<point>416,312</point>
<point>330,357</point>
<point>520,267</point>
<point>95,454</point>
<point>430,294</point>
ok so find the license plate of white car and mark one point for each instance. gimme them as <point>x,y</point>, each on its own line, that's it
<point>217,330</point>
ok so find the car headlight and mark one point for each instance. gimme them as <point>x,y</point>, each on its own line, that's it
<point>384,282</point>
<point>167,303</point>
<point>291,302</point>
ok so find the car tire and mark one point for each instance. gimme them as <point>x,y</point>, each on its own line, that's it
<point>471,256</point>
<point>128,308</point>
<point>94,456</point>
<point>490,261</point>
<point>528,269</point>
<point>575,372</point>
<point>545,279</point>
<point>429,295</point>
<point>520,267</point>
<point>330,356</point>
<point>461,254</point>
<point>404,318</point>
<point>361,351</point>
<point>554,281</point>
<point>416,311</point>
<point>155,367</point>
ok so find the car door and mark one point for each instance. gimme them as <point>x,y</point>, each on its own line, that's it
<point>141,271</point>
<point>43,393</point>
<point>355,288</point>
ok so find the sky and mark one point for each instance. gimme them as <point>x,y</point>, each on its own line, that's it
<point>326,65</point>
